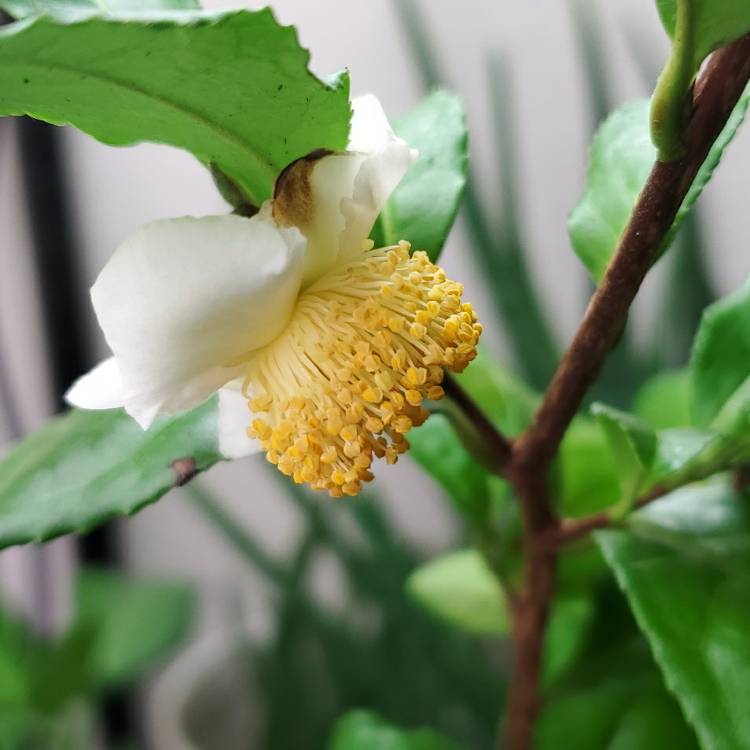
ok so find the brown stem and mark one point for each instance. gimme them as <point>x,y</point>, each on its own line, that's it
<point>715,96</point>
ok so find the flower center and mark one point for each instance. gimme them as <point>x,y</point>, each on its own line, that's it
<point>345,381</point>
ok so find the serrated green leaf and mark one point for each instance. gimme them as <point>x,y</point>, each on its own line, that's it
<point>460,588</point>
<point>714,23</point>
<point>362,730</point>
<point>423,207</point>
<point>721,356</point>
<point>134,622</point>
<point>633,444</point>
<point>72,8</point>
<point>232,88</point>
<point>85,467</point>
<point>621,157</point>
<point>664,400</point>
<point>683,565</point>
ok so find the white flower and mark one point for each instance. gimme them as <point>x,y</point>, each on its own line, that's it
<point>333,344</point>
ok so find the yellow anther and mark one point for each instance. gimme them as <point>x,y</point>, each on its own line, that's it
<point>414,397</point>
<point>417,330</point>
<point>435,393</point>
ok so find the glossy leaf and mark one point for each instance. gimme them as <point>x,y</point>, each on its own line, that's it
<point>683,565</point>
<point>87,466</point>
<point>714,22</point>
<point>423,207</point>
<point>460,588</point>
<point>633,444</point>
<point>621,157</point>
<point>232,88</point>
<point>721,354</point>
<point>134,623</point>
<point>362,730</point>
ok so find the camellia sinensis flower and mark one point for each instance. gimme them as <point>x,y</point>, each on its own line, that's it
<point>321,346</point>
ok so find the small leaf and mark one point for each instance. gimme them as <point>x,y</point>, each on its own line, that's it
<point>621,157</point>
<point>362,730</point>
<point>460,588</point>
<point>721,356</point>
<point>232,88</point>
<point>85,467</point>
<point>424,205</point>
<point>683,565</point>
<point>134,623</point>
<point>664,400</point>
<point>714,23</point>
<point>633,444</point>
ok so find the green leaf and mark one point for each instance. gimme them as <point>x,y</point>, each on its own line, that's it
<point>85,467</point>
<point>664,400</point>
<point>683,565</point>
<point>423,207</point>
<point>721,354</point>
<point>24,8</point>
<point>621,157</point>
<point>362,730</point>
<point>460,588</point>
<point>232,88</point>
<point>714,23</point>
<point>633,444</point>
<point>587,479</point>
<point>134,622</point>
<point>564,640</point>
<point>437,448</point>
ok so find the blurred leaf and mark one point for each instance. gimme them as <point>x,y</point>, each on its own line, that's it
<point>134,623</point>
<point>423,207</point>
<point>567,629</point>
<point>664,400</point>
<point>460,588</point>
<point>621,157</point>
<point>721,355</point>
<point>85,467</point>
<point>361,730</point>
<point>683,565</point>
<point>232,88</point>
<point>23,8</point>
<point>633,445</point>
<point>586,474</point>
<point>714,23</point>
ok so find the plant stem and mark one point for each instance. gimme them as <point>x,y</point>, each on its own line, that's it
<point>715,96</point>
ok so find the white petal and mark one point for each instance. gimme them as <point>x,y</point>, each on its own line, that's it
<point>349,190</point>
<point>234,419</point>
<point>100,388</point>
<point>182,300</point>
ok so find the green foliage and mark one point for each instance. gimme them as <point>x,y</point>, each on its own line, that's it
<point>460,588</point>
<point>633,445</point>
<point>682,563</point>
<point>134,622</point>
<point>621,158</point>
<point>361,729</point>
<point>424,205</point>
<point>721,355</point>
<point>48,685</point>
<point>232,88</point>
<point>714,23</point>
<point>88,466</point>
<point>664,400</point>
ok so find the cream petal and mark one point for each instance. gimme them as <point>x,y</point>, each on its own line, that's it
<point>100,388</point>
<point>183,300</point>
<point>234,419</point>
<point>348,190</point>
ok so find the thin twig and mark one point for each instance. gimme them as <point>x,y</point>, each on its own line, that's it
<point>717,92</point>
<point>715,96</point>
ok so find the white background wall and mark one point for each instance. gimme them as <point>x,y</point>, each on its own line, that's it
<point>115,191</point>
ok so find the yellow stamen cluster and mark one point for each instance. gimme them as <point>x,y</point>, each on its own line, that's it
<point>345,382</point>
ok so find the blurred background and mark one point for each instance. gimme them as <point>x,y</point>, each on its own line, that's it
<point>535,78</point>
